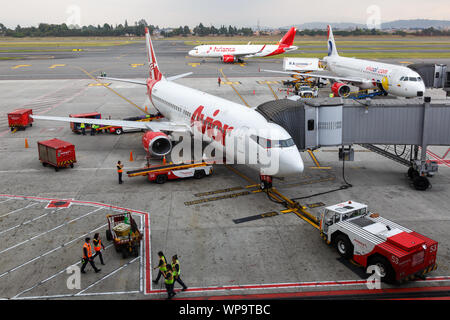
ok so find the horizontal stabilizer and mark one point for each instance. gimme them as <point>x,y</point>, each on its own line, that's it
<point>179,76</point>
<point>124,80</point>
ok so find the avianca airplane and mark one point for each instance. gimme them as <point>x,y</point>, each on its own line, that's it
<point>217,120</point>
<point>232,53</point>
<point>364,74</point>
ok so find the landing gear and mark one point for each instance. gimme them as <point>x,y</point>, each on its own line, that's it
<point>266,182</point>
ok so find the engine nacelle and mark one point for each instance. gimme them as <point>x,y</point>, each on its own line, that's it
<point>228,58</point>
<point>157,144</point>
<point>340,89</point>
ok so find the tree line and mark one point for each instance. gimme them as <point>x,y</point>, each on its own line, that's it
<point>138,29</point>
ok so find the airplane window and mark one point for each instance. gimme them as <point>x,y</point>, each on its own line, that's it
<point>419,79</point>
<point>412,79</point>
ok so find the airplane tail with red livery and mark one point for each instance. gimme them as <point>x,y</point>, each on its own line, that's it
<point>288,38</point>
<point>155,74</point>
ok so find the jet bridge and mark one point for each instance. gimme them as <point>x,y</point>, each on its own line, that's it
<point>418,123</point>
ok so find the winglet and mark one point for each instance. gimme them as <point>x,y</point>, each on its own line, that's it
<point>288,38</point>
<point>332,51</point>
<point>155,74</point>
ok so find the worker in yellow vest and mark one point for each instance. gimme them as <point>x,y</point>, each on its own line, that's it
<point>87,256</point>
<point>98,245</point>
<point>120,171</point>
<point>169,281</point>
<point>83,129</point>
<point>162,265</point>
<point>177,272</point>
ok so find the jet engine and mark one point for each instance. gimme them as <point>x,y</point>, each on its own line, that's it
<point>340,89</point>
<point>157,144</point>
<point>228,58</point>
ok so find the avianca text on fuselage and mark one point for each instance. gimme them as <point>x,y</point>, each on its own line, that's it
<point>213,128</point>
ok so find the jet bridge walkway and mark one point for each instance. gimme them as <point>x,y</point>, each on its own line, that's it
<point>415,123</point>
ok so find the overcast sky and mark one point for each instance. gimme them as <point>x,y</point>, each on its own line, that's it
<point>272,13</point>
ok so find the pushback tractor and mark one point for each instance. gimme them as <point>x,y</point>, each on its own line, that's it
<point>370,240</point>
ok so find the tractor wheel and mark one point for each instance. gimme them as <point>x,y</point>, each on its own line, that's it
<point>386,271</point>
<point>108,235</point>
<point>124,252</point>
<point>198,174</point>
<point>343,246</point>
<point>71,165</point>
<point>162,178</point>
<point>118,131</point>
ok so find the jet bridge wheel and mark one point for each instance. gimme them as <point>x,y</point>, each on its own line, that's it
<point>421,183</point>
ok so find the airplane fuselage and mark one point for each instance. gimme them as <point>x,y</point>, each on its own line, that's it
<point>218,51</point>
<point>222,121</point>
<point>394,79</point>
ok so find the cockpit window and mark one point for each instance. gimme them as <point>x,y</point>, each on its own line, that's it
<point>267,143</point>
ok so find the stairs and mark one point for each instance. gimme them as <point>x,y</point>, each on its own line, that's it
<point>385,153</point>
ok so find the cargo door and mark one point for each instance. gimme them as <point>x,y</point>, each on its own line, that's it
<point>52,156</point>
<point>43,153</point>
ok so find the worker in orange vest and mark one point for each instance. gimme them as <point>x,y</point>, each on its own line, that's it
<point>87,256</point>
<point>98,245</point>
<point>119,171</point>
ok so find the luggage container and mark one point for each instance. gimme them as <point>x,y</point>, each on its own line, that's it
<point>58,153</point>
<point>20,118</point>
<point>76,126</point>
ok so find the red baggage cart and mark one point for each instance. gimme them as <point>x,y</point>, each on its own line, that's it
<point>20,118</point>
<point>58,153</point>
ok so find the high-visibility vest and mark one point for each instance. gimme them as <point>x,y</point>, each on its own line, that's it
<point>169,278</point>
<point>175,273</point>
<point>163,267</point>
<point>88,249</point>
<point>119,169</point>
<point>97,244</point>
<point>82,126</point>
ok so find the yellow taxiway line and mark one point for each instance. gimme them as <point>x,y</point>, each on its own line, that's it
<point>226,78</point>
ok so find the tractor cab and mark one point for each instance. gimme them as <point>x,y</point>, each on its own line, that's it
<point>341,212</point>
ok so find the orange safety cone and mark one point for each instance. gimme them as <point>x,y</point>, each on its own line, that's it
<point>145,108</point>
<point>131,156</point>
<point>26,144</point>
<point>164,160</point>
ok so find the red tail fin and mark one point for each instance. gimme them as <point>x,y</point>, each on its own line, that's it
<point>288,38</point>
<point>155,74</point>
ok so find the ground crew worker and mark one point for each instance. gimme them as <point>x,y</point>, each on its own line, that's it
<point>93,129</point>
<point>83,129</point>
<point>98,245</point>
<point>177,271</point>
<point>162,265</point>
<point>219,81</point>
<point>119,171</point>
<point>169,281</point>
<point>87,256</point>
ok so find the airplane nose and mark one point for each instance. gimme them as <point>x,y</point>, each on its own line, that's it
<point>291,162</point>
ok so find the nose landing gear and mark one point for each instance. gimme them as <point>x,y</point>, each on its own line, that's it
<point>266,182</point>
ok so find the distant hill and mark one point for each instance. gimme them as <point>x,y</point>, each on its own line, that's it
<point>397,24</point>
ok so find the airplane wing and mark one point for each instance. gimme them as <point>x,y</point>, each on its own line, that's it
<point>179,76</point>
<point>324,76</point>
<point>159,125</point>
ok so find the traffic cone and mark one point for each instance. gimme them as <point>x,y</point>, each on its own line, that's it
<point>253,91</point>
<point>131,156</point>
<point>26,143</point>
<point>145,108</point>
<point>164,160</point>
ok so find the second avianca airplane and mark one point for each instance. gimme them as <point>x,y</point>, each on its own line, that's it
<point>234,53</point>
<point>218,120</point>
<point>365,74</point>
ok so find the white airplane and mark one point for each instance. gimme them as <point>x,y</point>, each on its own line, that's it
<point>218,120</point>
<point>233,53</point>
<point>365,74</point>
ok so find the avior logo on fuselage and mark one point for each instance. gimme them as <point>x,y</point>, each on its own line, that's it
<point>213,128</point>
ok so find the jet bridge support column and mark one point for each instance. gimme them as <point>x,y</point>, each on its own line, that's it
<point>421,168</point>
